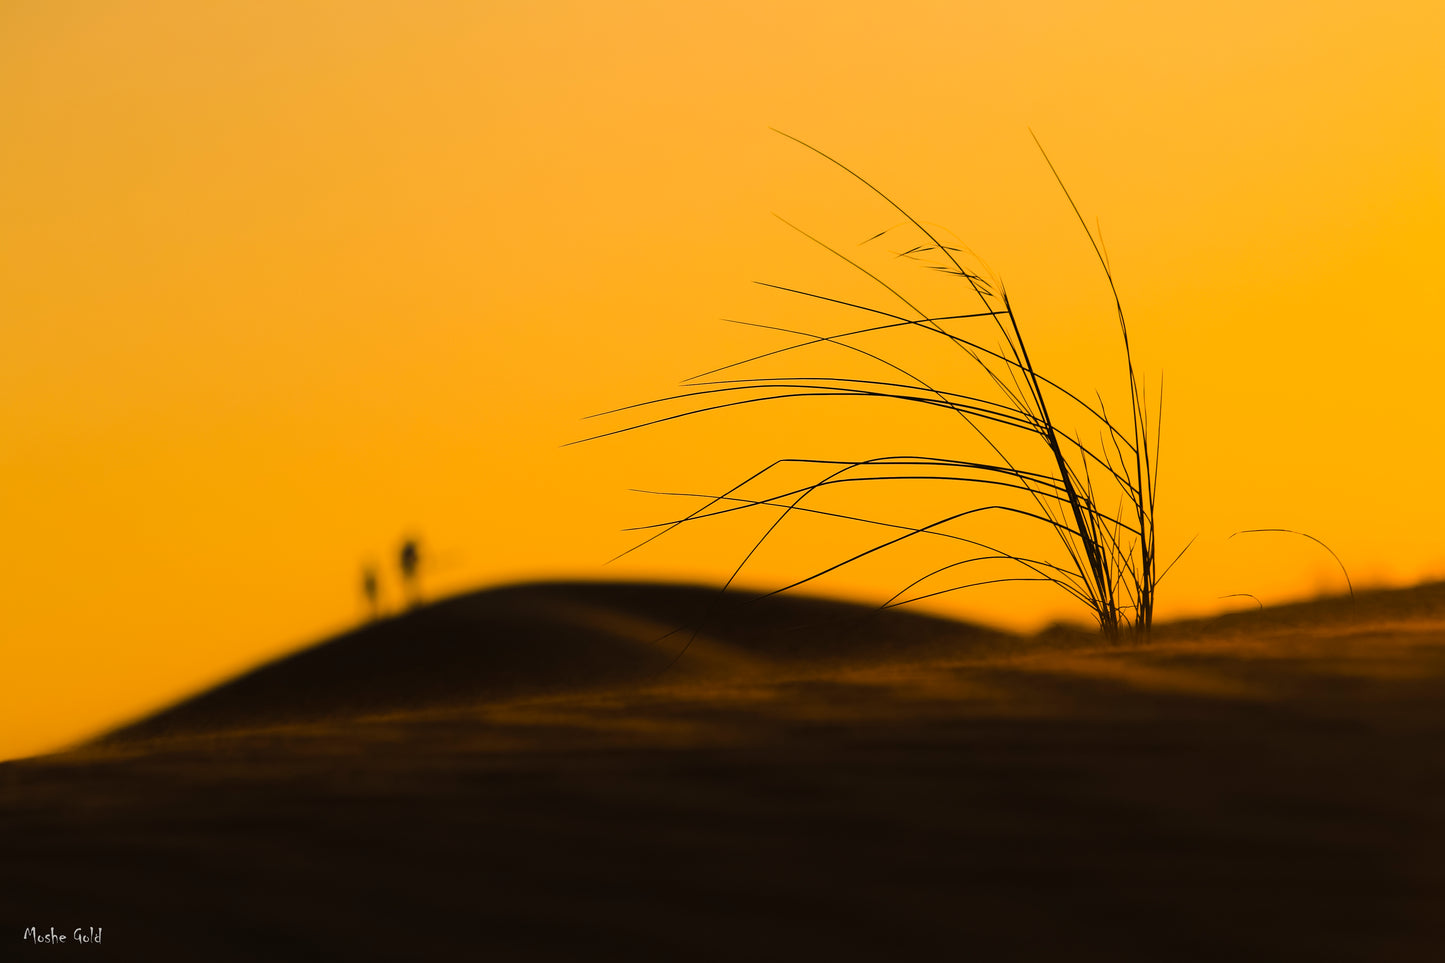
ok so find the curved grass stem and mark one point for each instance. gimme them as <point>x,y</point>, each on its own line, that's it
<point>1107,559</point>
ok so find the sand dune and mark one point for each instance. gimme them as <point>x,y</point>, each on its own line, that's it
<point>554,637</point>
<point>1265,786</point>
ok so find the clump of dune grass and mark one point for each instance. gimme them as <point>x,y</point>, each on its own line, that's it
<point>1093,491</point>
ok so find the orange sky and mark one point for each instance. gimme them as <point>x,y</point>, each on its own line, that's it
<point>281,282</point>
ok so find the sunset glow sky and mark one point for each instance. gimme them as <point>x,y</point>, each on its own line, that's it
<point>281,283</point>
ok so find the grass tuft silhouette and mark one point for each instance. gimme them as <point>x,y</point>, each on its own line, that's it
<point>1106,557</point>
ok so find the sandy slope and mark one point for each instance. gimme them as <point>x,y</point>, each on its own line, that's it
<point>558,637</point>
<point>1263,787</point>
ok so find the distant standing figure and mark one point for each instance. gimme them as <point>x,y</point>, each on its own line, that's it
<point>371,588</point>
<point>410,560</point>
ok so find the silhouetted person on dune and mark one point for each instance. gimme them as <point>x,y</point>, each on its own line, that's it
<point>371,588</point>
<point>410,561</point>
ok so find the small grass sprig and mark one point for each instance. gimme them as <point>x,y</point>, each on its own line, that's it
<point>1094,489</point>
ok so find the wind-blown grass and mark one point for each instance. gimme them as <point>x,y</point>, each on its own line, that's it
<point>1095,493</point>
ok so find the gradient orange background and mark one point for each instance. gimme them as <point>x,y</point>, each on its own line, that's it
<point>282,282</point>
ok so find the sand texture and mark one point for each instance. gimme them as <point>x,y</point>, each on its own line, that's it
<point>511,776</point>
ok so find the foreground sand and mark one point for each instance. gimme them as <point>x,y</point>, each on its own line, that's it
<point>1266,787</point>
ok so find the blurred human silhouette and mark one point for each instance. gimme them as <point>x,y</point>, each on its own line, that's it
<point>410,562</point>
<point>371,588</point>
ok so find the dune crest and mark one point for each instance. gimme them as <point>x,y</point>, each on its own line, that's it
<point>540,638</point>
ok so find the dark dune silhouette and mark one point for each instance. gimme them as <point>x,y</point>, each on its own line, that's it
<point>551,637</point>
<point>1261,786</point>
